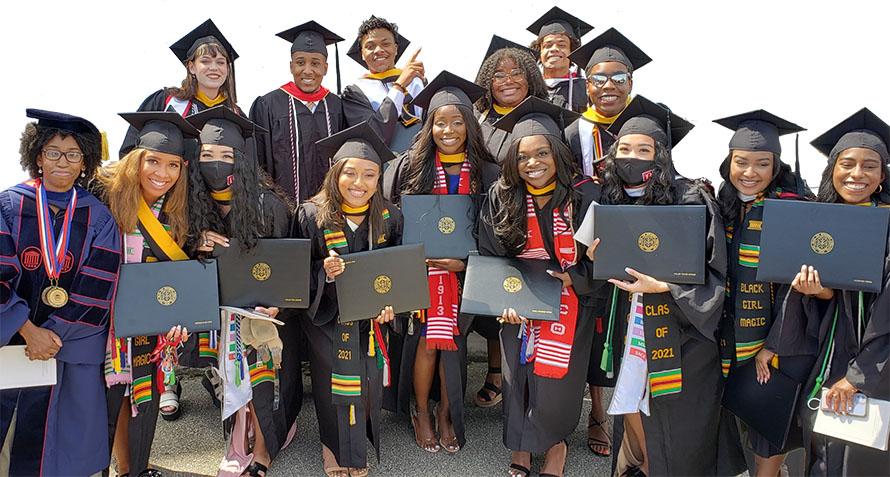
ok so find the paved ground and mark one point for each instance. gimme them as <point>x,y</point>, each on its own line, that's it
<point>193,445</point>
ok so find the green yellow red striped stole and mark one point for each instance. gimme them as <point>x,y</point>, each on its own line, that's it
<point>666,382</point>
<point>141,390</point>
<point>662,334</point>
<point>749,255</point>
<point>262,372</point>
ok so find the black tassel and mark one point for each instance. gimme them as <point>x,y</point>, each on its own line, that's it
<point>337,66</point>
<point>797,179</point>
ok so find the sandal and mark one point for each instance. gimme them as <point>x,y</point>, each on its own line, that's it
<point>449,444</point>
<point>212,382</point>
<point>356,472</point>
<point>593,443</point>
<point>525,471</point>
<point>253,470</point>
<point>336,472</point>
<point>170,398</point>
<point>483,397</point>
<point>545,474</point>
<point>428,444</point>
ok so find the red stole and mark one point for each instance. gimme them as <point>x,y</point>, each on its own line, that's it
<point>293,90</point>
<point>441,317</point>
<point>551,342</point>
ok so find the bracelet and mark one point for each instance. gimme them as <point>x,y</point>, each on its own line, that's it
<point>399,87</point>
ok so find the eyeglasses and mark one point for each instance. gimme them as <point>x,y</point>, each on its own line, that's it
<point>515,75</point>
<point>618,79</point>
<point>54,155</point>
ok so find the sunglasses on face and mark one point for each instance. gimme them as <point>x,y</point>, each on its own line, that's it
<point>618,79</point>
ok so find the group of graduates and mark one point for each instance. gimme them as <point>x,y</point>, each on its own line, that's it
<point>542,133</point>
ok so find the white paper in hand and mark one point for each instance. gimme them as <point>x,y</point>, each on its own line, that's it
<point>21,372</point>
<point>584,234</point>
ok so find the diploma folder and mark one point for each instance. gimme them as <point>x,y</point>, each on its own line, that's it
<point>495,283</point>
<point>767,408</point>
<point>274,273</point>
<point>391,276</point>
<point>442,223</point>
<point>845,243</point>
<point>666,242</point>
<point>153,297</point>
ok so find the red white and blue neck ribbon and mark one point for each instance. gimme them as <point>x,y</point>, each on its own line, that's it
<point>53,252</point>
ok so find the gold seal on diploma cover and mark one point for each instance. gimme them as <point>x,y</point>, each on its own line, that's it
<point>648,242</point>
<point>261,271</point>
<point>512,284</point>
<point>822,243</point>
<point>446,225</point>
<point>166,296</point>
<point>54,296</point>
<point>382,284</point>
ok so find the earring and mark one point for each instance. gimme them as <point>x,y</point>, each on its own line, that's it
<point>880,188</point>
<point>83,173</point>
<point>40,170</point>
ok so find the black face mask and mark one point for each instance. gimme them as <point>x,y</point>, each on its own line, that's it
<point>634,172</point>
<point>218,175</point>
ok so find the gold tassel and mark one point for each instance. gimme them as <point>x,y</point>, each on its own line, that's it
<point>352,414</point>
<point>371,343</point>
<point>104,146</point>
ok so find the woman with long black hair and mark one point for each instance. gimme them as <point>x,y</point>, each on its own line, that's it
<point>531,212</point>
<point>448,157</point>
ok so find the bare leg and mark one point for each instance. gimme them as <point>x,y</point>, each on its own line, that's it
<point>522,458</point>
<point>768,467</point>
<point>635,422</point>
<point>121,449</point>
<point>492,378</point>
<point>447,436</point>
<point>598,438</point>
<point>424,369</point>
<point>555,459</point>
<point>330,463</point>
<point>260,452</point>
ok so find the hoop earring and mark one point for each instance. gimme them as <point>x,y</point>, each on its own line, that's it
<point>880,188</point>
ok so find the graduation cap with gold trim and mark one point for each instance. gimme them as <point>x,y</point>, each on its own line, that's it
<point>557,21</point>
<point>360,141</point>
<point>206,32</point>
<point>863,129</point>
<point>642,116</point>
<point>355,51</point>
<point>611,45</point>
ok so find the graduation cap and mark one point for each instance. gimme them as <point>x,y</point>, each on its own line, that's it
<point>359,141</point>
<point>206,32</point>
<point>310,37</point>
<point>355,51</point>
<point>534,117</point>
<point>758,131</point>
<point>862,129</point>
<point>558,21</point>
<point>221,126</point>
<point>447,88</point>
<point>499,43</point>
<point>161,131</point>
<point>642,116</point>
<point>65,122</point>
<point>611,45</point>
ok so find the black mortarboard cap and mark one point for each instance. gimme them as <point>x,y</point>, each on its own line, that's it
<point>534,116</point>
<point>206,32</point>
<point>222,126</point>
<point>611,45</point>
<point>360,141</point>
<point>642,116</point>
<point>448,88</point>
<point>310,37</point>
<point>499,43</point>
<point>355,51</point>
<point>161,131</point>
<point>65,122</point>
<point>863,129</point>
<point>558,21</point>
<point>758,131</point>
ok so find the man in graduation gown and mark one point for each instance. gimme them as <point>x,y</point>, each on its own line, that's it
<point>298,114</point>
<point>381,97</point>
<point>559,33</point>
<point>610,61</point>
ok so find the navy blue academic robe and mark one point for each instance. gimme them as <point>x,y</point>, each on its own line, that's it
<point>61,429</point>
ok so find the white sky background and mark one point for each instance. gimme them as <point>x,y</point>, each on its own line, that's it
<point>813,63</point>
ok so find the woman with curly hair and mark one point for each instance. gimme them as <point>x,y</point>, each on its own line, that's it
<point>229,199</point>
<point>147,193</point>
<point>59,260</point>
<point>850,327</point>
<point>509,74</point>
<point>348,215</point>
<point>559,33</point>
<point>531,212</point>
<point>448,157</point>
<point>209,62</point>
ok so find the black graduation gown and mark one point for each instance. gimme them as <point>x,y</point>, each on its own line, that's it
<point>559,94</point>
<point>158,101</point>
<point>287,152</point>
<point>863,362</point>
<point>357,109</point>
<point>686,432</point>
<point>497,140</point>
<point>345,441</point>
<point>553,405</point>
<point>573,139</point>
<point>454,362</point>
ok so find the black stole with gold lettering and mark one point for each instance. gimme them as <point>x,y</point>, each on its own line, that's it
<point>662,344</point>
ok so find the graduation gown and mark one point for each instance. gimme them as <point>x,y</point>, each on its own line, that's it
<point>581,137</point>
<point>538,411</point>
<point>61,429</point>
<point>497,140</point>
<point>287,152</point>
<point>375,101</point>
<point>861,355</point>
<point>560,89</point>
<point>686,432</point>
<point>346,441</point>
<point>406,342</point>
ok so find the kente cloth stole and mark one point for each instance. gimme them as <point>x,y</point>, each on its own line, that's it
<point>549,344</point>
<point>662,338</point>
<point>444,287</point>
